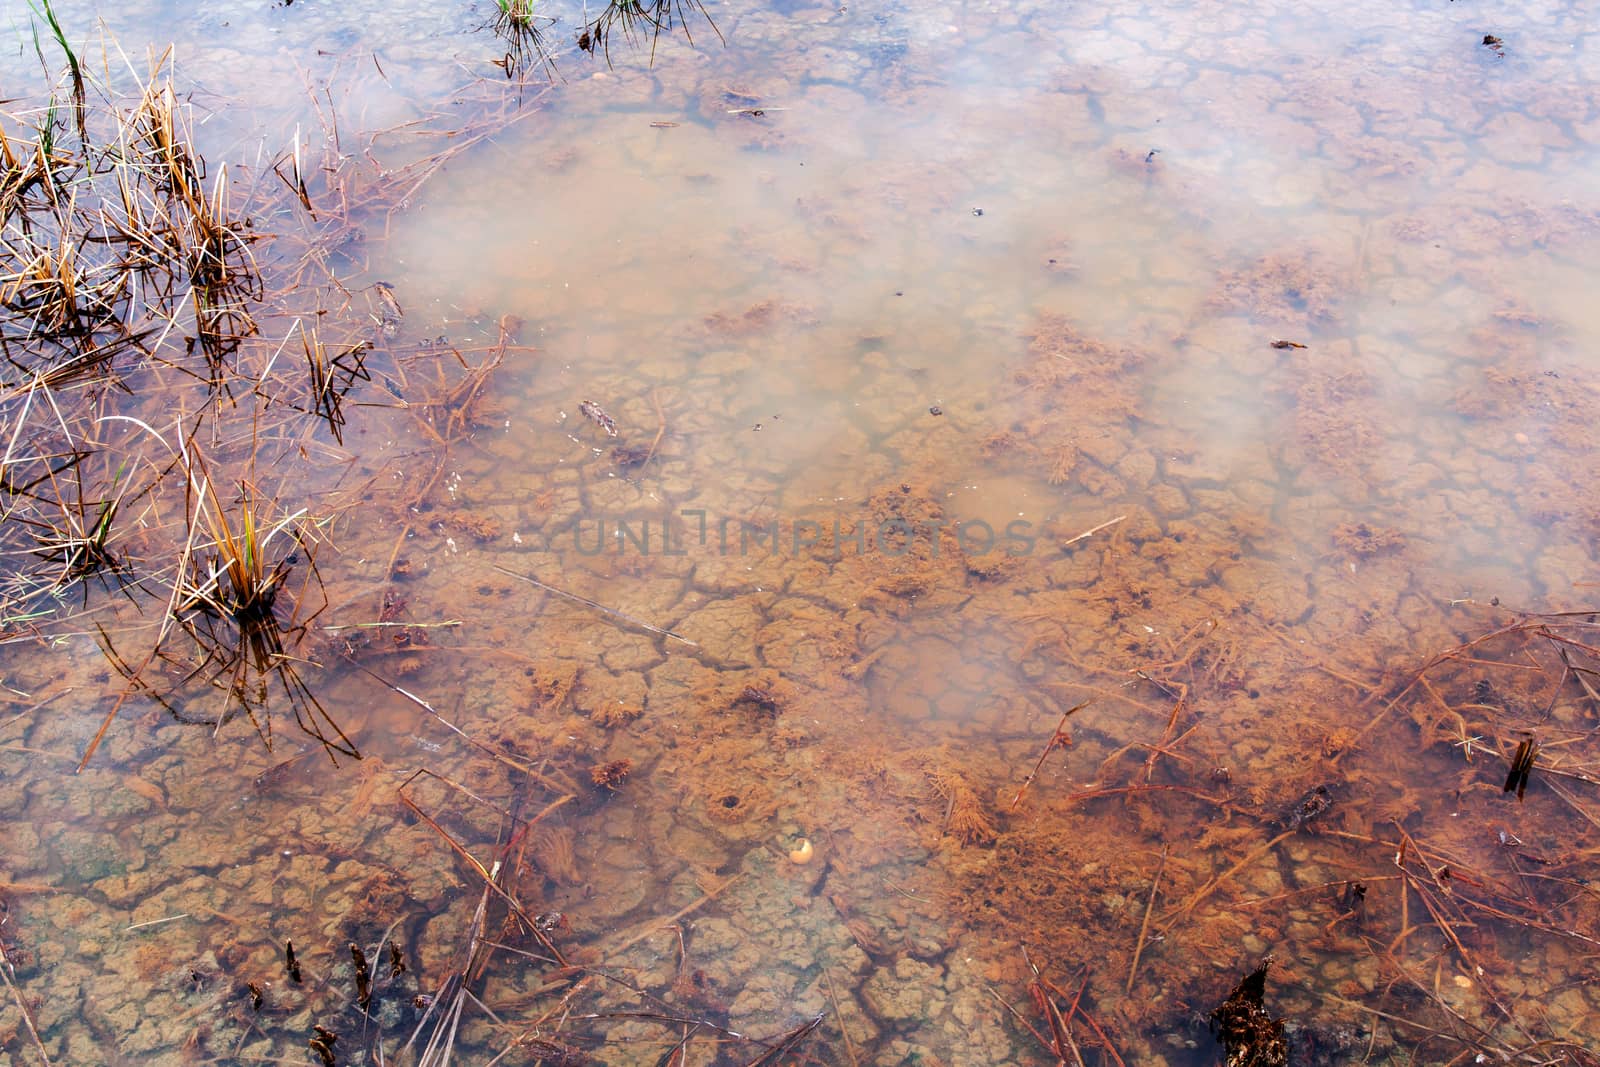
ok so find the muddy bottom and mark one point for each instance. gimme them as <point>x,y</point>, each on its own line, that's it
<point>918,535</point>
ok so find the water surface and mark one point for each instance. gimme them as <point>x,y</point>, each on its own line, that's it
<point>886,277</point>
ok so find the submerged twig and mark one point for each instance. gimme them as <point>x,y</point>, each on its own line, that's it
<point>1204,891</point>
<point>595,604</point>
<point>1091,531</point>
<point>1059,739</point>
<point>6,969</point>
<point>1144,925</point>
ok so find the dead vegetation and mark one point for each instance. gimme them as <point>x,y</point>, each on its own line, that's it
<point>186,350</point>
<point>964,816</point>
<point>176,382</point>
<point>1424,939</point>
<point>101,483</point>
<point>641,21</point>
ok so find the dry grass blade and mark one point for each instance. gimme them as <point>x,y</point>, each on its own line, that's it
<point>586,602</point>
<point>441,1021</point>
<point>1144,924</point>
<point>331,377</point>
<point>787,1043</point>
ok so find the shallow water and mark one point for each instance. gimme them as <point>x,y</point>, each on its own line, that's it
<point>969,267</point>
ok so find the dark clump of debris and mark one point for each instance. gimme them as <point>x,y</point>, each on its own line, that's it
<point>1310,806</point>
<point>1522,766</point>
<point>1324,1046</point>
<point>630,455</point>
<point>597,415</point>
<point>761,696</point>
<point>1250,1036</point>
<point>1362,541</point>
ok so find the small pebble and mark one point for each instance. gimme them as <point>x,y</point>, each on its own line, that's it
<point>936,410</point>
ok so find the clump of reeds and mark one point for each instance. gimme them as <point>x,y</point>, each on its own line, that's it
<point>229,602</point>
<point>81,546</point>
<point>639,21</point>
<point>111,244</point>
<point>238,581</point>
<point>435,1034</point>
<point>203,233</point>
<point>130,284</point>
<point>119,257</point>
<point>517,13</point>
<point>58,509</point>
<point>521,27</point>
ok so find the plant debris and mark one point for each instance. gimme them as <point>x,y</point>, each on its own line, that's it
<point>1521,766</point>
<point>1249,1034</point>
<point>609,776</point>
<point>1309,808</point>
<point>597,415</point>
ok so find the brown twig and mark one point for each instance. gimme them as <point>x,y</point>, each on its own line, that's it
<point>1091,531</point>
<point>22,1005</point>
<point>661,426</point>
<point>653,925</point>
<point>1095,794</point>
<point>1058,739</point>
<point>1144,926</point>
<point>1206,890</point>
<point>1061,1042</point>
<point>844,1031</point>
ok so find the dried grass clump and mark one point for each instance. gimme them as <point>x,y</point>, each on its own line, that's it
<point>121,259</point>
<point>113,250</point>
<point>965,818</point>
<point>159,346</point>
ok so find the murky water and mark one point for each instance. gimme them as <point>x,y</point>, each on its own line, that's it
<point>1218,366</point>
